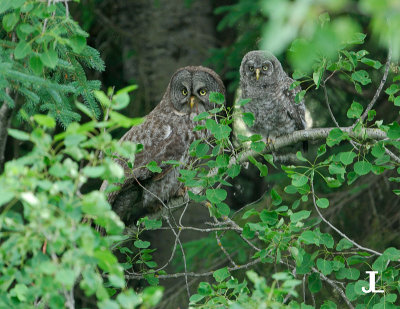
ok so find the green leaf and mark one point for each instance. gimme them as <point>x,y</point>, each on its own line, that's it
<point>355,110</point>
<point>195,298</point>
<point>216,195</point>
<point>323,203</point>
<point>201,116</point>
<point>152,224</point>
<point>269,217</point>
<point>362,77</point>
<point>350,292</point>
<point>17,3</point>
<point>394,131</point>
<point>77,43</point>
<point>335,137</point>
<point>36,65</point>
<point>299,96</point>
<point>378,150</point>
<point>299,180</point>
<point>347,157</point>
<point>243,102</point>
<point>300,156</point>
<point>223,209</point>
<point>300,215</point>
<point>221,274</point>
<point>5,196</point>
<point>372,114</point>
<point>336,168</point>
<point>22,50</point>
<point>257,146</point>
<point>49,58</point>
<point>153,167</point>
<point>141,244</point>
<point>314,283</point>
<point>233,170</point>
<point>309,237</point>
<point>45,121</point>
<point>9,21</point>
<point>328,305</point>
<point>248,119</point>
<point>343,244</point>
<point>93,171</point>
<point>362,167</point>
<point>324,266</point>
<point>392,254</point>
<point>372,63</point>
<point>129,299</point>
<point>26,28</point>
<point>276,198</point>
<point>349,273</point>
<point>120,101</point>
<point>5,5</point>
<point>393,89</point>
<point>202,150</point>
<point>220,131</point>
<point>20,291</point>
<point>217,98</point>
<point>17,134</point>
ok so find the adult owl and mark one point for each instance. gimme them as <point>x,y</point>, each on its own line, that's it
<point>166,134</point>
<point>263,80</point>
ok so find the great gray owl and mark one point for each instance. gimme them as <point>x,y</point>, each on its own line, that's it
<point>166,134</point>
<point>263,80</point>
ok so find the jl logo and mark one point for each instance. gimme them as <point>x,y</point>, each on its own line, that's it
<point>371,283</point>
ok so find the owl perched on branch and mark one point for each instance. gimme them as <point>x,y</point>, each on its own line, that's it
<point>165,135</point>
<point>273,105</point>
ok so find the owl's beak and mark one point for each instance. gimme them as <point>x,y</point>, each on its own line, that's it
<point>192,101</point>
<point>257,74</point>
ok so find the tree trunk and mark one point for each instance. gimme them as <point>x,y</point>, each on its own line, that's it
<point>5,121</point>
<point>166,35</point>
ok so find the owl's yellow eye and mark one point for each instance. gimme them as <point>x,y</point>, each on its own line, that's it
<point>203,92</point>
<point>251,68</point>
<point>184,91</point>
<point>265,67</point>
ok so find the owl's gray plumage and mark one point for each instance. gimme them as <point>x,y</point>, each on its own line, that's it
<point>263,80</point>
<point>165,135</point>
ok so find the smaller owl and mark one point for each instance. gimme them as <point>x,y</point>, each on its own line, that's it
<point>263,80</point>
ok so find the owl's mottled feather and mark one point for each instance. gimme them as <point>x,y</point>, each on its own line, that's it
<point>166,134</point>
<point>263,80</point>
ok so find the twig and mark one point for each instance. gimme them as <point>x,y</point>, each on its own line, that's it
<point>222,247</point>
<point>192,274</point>
<point>335,286</point>
<point>328,105</point>
<point>378,91</point>
<point>336,229</point>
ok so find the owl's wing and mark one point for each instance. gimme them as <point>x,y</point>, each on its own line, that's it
<point>296,111</point>
<point>160,143</point>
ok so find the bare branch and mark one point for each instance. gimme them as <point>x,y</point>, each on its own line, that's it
<point>336,229</point>
<point>193,274</point>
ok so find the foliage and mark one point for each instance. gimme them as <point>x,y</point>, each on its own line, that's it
<point>43,53</point>
<point>49,246</point>
<point>294,257</point>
